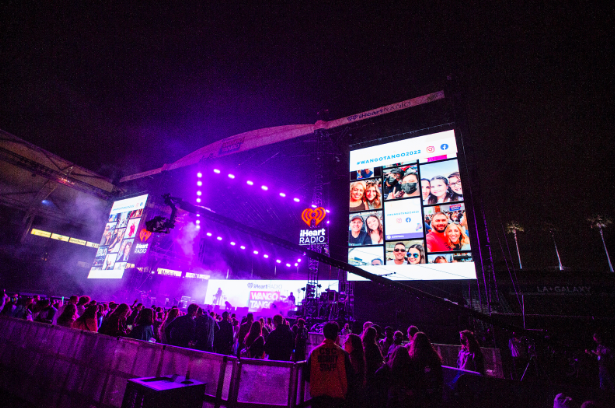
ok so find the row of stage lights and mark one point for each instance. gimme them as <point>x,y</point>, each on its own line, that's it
<point>199,183</point>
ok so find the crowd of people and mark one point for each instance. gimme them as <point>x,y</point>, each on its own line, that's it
<point>373,368</point>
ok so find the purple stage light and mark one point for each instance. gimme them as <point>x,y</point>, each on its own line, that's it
<point>209,234</point>
<point>296,264</point>
<point>288,265</point>
<point>265,188</point>
<point>198,226</point>
<point>198,215</point>
<point>327,211</point>
<point>278,261</point>
<point>299,260</point>
<point>231,176</point>
<point>282,195</point>
<point>199,193</point>
<point>199,183</point>
<point>255,252</point>
<point>199,174</point>
<point>232,243</point>
<point>251,183</point>
<point>313,206</point>
<point>296,200</point>
<point>198,200</point>
<point>265,256</point>
<point>198,221</point>
<point>216,171</point>
<point>242,247</point>
<point>327,222</point>
<point>219,238</point>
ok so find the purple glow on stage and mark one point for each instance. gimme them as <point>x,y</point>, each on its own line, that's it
<point>288,265</point>
<point>265,188</point>
<point>232,243</point>
<point>296,200</point>
<point>199,174</point>
<point>296,264</point>
<point>282,195</point>
<point>209,234</point>
<point>265,256</point>
<point>313,206</point>
<point>199,183</point>
<point>327,211</point>
<point>216,171</point>
<point>327,222</point>
<point>198,221</point>
<point>198,215</point>
<point>255,252</point>
<point>198,200</point>
<point>231,176</point>
<point>251,183</point>
<point>199,193</point>
<point>242,247</point>
<point>219,238</point>
<point>198,226</point>
<point>299,260</point>
<point>278,261</point>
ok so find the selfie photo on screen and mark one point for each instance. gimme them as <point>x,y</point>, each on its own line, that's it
<point>366,256</point>
<point>401,182</point>
<point>365,228</point>
<point>406,252</point>
<point>450,258</point>
<point>440,175</point>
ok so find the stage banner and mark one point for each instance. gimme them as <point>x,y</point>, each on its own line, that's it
<point>267,297</point>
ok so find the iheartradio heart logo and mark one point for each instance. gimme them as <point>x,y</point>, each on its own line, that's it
<point>317,215</point>
<point>144,235</point>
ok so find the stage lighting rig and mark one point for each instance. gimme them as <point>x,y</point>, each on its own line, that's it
<point>162,225</point>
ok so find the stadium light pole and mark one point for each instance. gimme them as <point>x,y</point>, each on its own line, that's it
<point>551,229</point>
<point>512,228</point>
<point>600,222</point>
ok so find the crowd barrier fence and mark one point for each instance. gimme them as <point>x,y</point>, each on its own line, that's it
<point>54,366</point>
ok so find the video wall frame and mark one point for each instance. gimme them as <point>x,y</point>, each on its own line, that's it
<point>407,212</point>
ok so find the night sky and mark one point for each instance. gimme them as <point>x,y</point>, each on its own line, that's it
<point>122,89</point>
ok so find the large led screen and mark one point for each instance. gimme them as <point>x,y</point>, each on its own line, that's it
<point>407,217</point>
<point>266,297</point>
<point>116,244</point>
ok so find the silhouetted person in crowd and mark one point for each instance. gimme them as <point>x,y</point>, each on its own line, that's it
<point>172,315</point>
<point>244,329</point>
<point>470,356</point>
<point>606,362</point>
<point>385,343</point>
<point>68,316</point>
<point>393,380</point>
<point>398,338</point>
<point>412,330</point>
<point>81,305</point>
<point>328,370</point>
<point>356,386</point>
<point>181,331</point>
<point>280,343</point>
<point>46,313</point>
<point>115,325</point>
<point>133,316</point>
<point>88,320</point>
<point>205,327</point>
<point>254,343</point>
<point>223,338</point>
<point>144,326</point>
<point>426,372</point>
<point>301,336</point>
<point>373,356</point>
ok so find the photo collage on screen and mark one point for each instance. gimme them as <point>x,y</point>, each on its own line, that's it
<point>408,213</point>
<point>117,240</point>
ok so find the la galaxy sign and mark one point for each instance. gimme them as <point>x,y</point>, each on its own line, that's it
<point>313,236</point>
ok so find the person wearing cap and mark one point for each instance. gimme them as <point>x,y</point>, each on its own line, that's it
<point>357,235</point>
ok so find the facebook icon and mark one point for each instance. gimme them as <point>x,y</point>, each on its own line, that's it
<point>443,146</point>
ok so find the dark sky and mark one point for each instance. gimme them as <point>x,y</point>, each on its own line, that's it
<point>121,89</point>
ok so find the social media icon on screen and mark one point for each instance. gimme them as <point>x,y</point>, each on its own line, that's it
<point>444,146</point>
<point>431,149</point>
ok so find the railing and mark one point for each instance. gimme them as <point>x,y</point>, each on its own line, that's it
<point>55,366</point>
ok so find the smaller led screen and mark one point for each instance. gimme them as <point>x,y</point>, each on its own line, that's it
<point>117,238</point>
